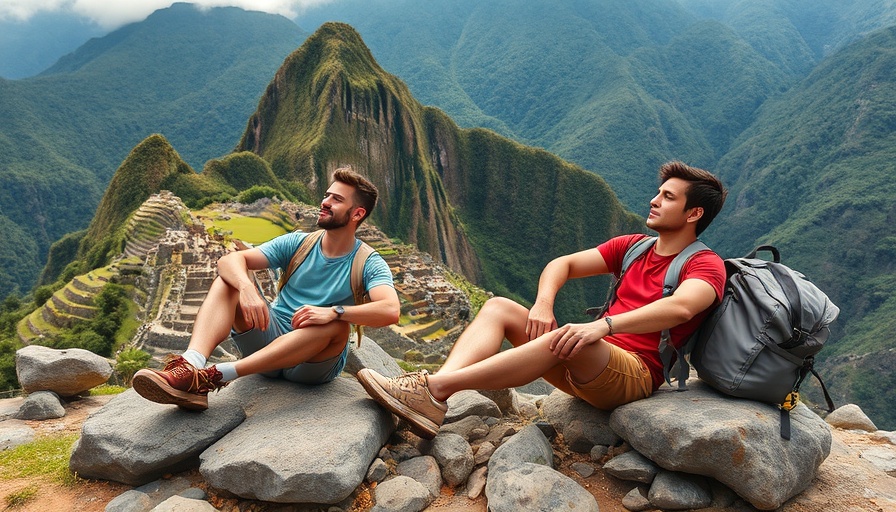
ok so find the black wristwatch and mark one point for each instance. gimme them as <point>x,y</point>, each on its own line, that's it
<point>339,311</point>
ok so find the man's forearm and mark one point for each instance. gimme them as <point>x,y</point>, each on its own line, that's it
<point>552,278</point>
<point>233,270</point>
<point>373,314</point>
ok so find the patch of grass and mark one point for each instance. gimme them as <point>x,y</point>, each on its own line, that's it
<point>44,457</point>
<point>21,497</point>
<point>250,229</point>
<point>107,389</point>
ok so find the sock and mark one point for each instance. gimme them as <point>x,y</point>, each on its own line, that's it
<point>194,358</point>
<point>228,371</point>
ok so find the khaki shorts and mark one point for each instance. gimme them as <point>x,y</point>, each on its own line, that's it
<point>625,379</point>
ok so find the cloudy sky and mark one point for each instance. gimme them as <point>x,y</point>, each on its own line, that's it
<point>111,14</point>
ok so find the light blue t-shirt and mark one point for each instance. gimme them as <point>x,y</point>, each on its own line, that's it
<point>319,281</point>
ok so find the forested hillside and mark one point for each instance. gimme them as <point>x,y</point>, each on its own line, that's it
<point>814,176</point>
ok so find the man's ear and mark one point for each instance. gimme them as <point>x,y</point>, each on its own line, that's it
<point>696,214</point>
<point>358,213</point>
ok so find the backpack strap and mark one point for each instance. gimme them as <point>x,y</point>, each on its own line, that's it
<point>299,257</point>
<point>631,254</point>
<point>666,349</point>
<point>361,295</point>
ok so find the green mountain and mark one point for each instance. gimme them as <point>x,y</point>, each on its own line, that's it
<point>27,48</point>
<point>615,87</point>
<point>813,176</point>
<point>191,75</point>
<point>487,206</point>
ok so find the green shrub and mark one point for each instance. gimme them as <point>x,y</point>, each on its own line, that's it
<point>256,192</point>
<point>42,294</point>
<point>129,361</point>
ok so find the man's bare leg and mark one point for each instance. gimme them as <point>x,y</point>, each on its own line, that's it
<point>217,314</point>
<point>519,366</point>
<point>498,319</point>
<point>420,399</point>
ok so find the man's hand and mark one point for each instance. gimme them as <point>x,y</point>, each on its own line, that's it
<point>312,315</point>
<point>570,339</point>
<point>254,308</point>
<point>541,320</point>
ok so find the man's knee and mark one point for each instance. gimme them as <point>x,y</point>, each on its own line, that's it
<point>502,307</point>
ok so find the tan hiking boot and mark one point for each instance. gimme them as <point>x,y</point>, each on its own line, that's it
<point>179,383</point>
<point>407,396</point>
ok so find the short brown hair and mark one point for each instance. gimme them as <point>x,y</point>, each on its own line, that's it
<point>705,191</point>
<point>366,192</point>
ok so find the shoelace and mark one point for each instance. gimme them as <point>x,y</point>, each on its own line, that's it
<point>202,381</point>
<point>412,379</point>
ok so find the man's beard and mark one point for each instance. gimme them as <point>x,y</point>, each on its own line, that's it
<point>333,222</point>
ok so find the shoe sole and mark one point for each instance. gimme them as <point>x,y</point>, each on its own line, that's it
<point>156,389</point>
<point>420,424</point>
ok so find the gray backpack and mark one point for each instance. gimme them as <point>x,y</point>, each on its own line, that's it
<point>759,342</point>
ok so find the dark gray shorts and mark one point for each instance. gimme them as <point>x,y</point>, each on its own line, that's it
<point>319,372</point>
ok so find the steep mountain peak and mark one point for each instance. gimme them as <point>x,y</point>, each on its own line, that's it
<point>142,174</point>
<point>332,71</point>
<point>331,105</point>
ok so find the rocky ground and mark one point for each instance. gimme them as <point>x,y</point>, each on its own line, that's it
<point>846,481</point>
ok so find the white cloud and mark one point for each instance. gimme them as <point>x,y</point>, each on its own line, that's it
<point>22,10</point>
<point>112,14</point>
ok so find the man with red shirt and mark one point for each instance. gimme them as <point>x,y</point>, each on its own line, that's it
<point>608,362</point>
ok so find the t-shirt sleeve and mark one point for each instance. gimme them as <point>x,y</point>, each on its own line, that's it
<point>613,250</point>
<point>709,267</point>
<point>376,272</point>
<point>280,250</point>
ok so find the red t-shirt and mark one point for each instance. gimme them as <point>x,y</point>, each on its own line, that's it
<point>643,284</point>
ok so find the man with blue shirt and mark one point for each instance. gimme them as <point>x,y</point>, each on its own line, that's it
<point>303,335</point>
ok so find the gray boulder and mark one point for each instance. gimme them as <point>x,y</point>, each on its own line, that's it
<point>148,496</point>
<point>182,504</point>
<point>850,417</point>
<point>582,425</point>
<point>470,428</point>
<point>370,355</point>
<point>134,441</point>
<point>528,486</point>
<point>633,466</point>
<point>41,405</point>
<point>424,469</point>
<point>66,372</point>
<point>14,433</point>
<point>528,445</point>
<point>679,491</point>
<point>506,399</point>
<point>455,457</point>
<point>298,444</point>
<point>467,403</point>
<point>737,442</point>
<point>401,493</point>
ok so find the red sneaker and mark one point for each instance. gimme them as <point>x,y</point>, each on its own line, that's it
<point>179,383</point>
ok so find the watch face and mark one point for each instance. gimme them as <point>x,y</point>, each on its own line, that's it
<point>339,310</point>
